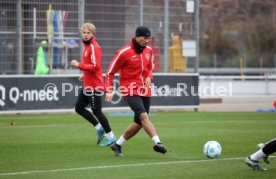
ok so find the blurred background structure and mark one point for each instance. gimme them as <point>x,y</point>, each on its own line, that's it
<point>54,25</point>
<point>238,34</point>
<point>233,36</point>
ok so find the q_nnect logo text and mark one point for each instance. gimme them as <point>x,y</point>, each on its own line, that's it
<point>15,94</point>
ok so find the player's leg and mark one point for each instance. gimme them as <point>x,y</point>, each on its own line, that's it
<point>158,146</point>
<point>96,106</point>
<point>254,164</point>
<point>144,117</point>
<point>264,151</point>
<point>80,108</point>
<point>270,147</point>
<point>131,131</point>
<point>253,160</point>
<point>140,106</point>
<point>83,100</point>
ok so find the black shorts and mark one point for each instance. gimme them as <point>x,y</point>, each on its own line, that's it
<point>138,104</point>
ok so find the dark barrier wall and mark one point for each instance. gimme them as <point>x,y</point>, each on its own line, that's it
<point>60,92</point>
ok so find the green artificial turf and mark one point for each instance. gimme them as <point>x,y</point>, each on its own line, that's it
<point>64,146</point>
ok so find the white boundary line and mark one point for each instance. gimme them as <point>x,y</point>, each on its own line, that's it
<point>119,166</point>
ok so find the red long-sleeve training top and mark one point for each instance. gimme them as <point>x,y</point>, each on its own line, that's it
<point>134,69</point>
<point>92,66</point>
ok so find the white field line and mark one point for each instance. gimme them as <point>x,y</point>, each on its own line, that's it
<point>119,166</point>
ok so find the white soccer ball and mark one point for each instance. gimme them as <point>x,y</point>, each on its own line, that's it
<point>212,149</point>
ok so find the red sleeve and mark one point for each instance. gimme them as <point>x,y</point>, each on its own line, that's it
<point>113,68</point>
<point>150,67</point>
<point>87,67</point>
<point>94,61</point>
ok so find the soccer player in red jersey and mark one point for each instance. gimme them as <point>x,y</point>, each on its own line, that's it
<point>93,87</point>
<point>134,61</point>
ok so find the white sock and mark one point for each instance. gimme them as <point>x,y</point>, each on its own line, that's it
<point>109,135</point>
<point>257,155</point>
<point>98,126</point>
<point>121,141</point>
<point>155,139</point>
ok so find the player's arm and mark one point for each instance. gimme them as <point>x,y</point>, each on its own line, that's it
<point>96,57</point>
<point>149,75</point>
<point>113,68</point>
<point>83,66</point>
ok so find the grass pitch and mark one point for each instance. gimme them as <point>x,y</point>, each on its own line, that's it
<point>64,146</point>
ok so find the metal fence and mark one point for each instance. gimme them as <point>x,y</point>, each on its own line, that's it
<point>53,25</point>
